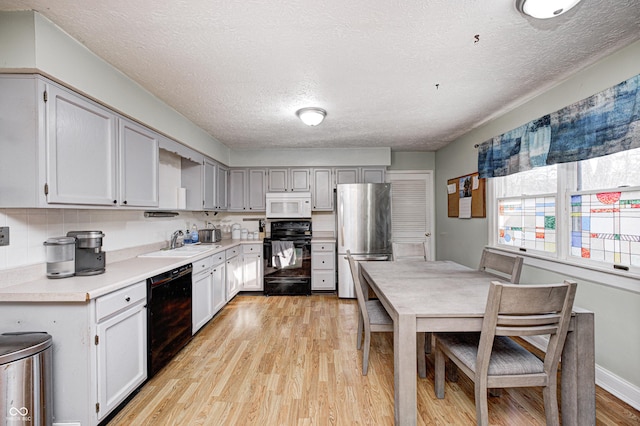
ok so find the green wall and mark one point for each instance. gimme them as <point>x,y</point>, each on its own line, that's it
<point>617,312</point>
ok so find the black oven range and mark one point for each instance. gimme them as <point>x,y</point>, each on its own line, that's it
<point>287,258</point>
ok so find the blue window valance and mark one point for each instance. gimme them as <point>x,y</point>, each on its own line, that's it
<point>602,124</point>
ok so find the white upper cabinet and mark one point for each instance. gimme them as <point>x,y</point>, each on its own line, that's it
<point>222,195</point>
<point>350,175</point>
<point>209,174</point>
<point>81,150</point>
<point>360,175</point>
<point>66,150</point>
<point>322,191</point>
<point>372,174</point>
<point>247,189</point>
<point>138,165</point>
<point>256,190</point>
<point>289,180</point>
<point>237,189</point>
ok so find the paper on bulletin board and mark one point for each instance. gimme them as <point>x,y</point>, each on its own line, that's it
<point>464,209</point>
<point>462,188</point>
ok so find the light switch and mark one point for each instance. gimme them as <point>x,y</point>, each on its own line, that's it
<point>4,235</point>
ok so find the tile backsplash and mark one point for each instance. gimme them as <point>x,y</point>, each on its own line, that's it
<point>29,228</point>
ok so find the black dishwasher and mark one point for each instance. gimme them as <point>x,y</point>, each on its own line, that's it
<point>168,316</point>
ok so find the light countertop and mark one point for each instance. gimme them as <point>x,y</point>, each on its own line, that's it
<point>116,276</point>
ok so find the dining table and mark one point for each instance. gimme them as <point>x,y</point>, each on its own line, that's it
<point>444,296</point>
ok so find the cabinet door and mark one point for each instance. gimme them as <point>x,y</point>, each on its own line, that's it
<point>81,150</point>
<point>121,356</point>
<point>278,180</point>
<point>300,180</point>
<point>322,193</point>
<point>237,185</point>
<point>221,188</point>
<point>218,273</point>
<point>252,267</point>
<point>347,175</point>
<point>256,189</point>
<point>202,310</point>
<point>234,276</point>
<point>138,165</point>
<point>372,175</point>
<point>209,184</point>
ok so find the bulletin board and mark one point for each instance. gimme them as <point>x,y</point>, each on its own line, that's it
<point>466,197</point>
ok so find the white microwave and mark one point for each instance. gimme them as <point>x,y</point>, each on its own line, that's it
<point>286,205</point>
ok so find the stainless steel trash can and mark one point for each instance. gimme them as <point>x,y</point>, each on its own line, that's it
<point>26,379</point>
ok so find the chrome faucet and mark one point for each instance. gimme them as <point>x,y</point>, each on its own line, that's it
<point>174,239</point>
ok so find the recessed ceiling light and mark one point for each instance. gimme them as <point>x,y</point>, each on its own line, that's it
<point>544,9</point>
<point>311,116</point>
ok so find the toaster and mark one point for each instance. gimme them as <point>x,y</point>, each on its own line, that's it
<point>209,235</point>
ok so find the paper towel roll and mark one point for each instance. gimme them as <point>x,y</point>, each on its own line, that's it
<point>182,198</point>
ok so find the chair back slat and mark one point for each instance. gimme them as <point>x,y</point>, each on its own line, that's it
<point>410,251</point>
<point>516,320</point>
<point>526,331</point>
<point>508,266</point>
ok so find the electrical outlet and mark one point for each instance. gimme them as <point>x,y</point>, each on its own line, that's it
<point>4,235</point>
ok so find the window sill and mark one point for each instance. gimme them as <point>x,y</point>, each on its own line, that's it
<point>623,280</point>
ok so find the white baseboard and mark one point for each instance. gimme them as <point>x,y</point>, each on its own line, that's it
<point>618,387</point>
<point>615,385</point>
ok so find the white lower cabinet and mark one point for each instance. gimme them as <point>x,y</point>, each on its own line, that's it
<point>234,271</point>
<point>252,267</point>
<point>121,345</point>
<point>323,266</point>
<point>218,274</point>
<point>202,293</point>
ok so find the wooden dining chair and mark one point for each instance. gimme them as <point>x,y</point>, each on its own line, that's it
<point>372,317</point>
<point>502,265</point>
<point>493,360</point>
<point>410,251</point>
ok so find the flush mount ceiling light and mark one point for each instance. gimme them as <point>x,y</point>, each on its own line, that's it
<point>544,9</point>
<point>311,116</point>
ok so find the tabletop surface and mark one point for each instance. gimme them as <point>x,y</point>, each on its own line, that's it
<point>430,289</point>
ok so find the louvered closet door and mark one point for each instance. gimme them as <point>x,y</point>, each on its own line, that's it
<point>412,207</point>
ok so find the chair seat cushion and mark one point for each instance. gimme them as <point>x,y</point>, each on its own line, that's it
<point>377,313</point>
<point>507,357</point>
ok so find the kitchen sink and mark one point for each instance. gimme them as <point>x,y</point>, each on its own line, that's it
<point>184,251</point>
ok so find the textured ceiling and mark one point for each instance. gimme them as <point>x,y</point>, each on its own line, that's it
<point>410,75</point>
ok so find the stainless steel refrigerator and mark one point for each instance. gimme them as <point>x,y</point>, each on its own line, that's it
<point>363,219</point>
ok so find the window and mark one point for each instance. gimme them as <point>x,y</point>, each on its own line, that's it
<point>526,204</point>
<point>586,212</point>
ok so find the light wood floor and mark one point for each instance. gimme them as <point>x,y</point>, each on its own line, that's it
<point>293,361</point>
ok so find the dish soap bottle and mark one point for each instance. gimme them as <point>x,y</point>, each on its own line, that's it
<point>194,234</point>
<point>187,235</point>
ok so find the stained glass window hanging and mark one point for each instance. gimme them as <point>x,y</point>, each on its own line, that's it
<point>606,227</point>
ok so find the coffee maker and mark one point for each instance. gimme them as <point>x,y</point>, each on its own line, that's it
<point>90,259</point>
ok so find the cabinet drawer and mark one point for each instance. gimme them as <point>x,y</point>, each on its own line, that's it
<point>217,259</point>
<point>320,247</point>
<point>323,280</point>
<point>323,260</point>
<point>202,264</point>
<point>233,251</point>
<point>252,248</point>
<point>118,300</point>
